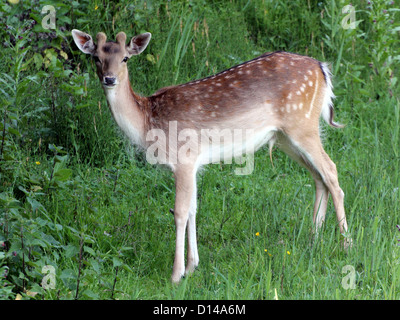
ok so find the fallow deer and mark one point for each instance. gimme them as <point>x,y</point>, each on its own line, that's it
<point>278,98</point>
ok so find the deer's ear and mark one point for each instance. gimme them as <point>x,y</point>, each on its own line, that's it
<point>83,41</point>
<point>138,43</point>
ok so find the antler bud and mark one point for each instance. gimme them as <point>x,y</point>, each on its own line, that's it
<point>121,38</point>
<point>101,38</point>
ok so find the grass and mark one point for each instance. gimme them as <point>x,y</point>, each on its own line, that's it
<point>97,212</point>
<point>254,232</point>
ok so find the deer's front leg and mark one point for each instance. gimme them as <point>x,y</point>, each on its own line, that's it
<point>192,253</point>
<point>185,186</point>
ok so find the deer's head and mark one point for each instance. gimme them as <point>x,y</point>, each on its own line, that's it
<point>111,57</point>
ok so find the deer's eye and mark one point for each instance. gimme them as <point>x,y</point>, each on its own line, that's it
<point>125,59</point>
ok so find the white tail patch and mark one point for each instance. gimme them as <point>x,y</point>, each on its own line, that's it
<point>327,104</point>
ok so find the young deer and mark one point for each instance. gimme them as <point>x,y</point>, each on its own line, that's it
<point>277,98</point>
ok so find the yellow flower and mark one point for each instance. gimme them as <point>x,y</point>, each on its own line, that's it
<point>267,252</point>
<point>288,252</point>
<point>37,162</point>
<point>96,7</point>
<point>257,234</point>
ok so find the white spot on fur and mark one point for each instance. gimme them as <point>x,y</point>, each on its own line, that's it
<point>269,106</point>
<point>314,96</point>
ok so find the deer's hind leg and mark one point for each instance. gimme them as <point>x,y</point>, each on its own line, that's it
<point>308,151</point>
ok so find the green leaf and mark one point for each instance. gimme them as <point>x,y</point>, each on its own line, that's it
<point>56,149</point>
<point>127,268</point>
<point>68,276</point>
<point>82,105</point>
<point>60,159</point>
<point>117,262</point>
<point>71,251</point>
<point>7,201</point>
<point>89,250</point>
<point>35,205</point>
<point>90,294</point>
<point>95,265</point>
<point>13,131</point>
<point>63,174</point>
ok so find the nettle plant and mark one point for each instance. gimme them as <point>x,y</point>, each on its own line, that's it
<point>383,40</point>
<point>27,234</point>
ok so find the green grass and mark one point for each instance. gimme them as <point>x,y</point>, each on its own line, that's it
<point>97,212</point>
<point>275,202</point>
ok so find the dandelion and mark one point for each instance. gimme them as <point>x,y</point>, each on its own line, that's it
<point>267,252</point>
<point>96,7</point>
<point>37,162</point>
<point>288,252</point>
<point>257,234</point>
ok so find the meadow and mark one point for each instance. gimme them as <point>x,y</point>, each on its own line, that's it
<point>84,216</point>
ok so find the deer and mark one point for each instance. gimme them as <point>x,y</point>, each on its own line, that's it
<point>278,97</point>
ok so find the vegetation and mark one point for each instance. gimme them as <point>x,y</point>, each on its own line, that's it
<point>75,196</point>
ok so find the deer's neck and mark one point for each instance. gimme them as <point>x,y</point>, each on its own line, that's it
<point>129,111</point>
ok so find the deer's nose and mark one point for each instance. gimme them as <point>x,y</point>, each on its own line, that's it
<point>109,81</point>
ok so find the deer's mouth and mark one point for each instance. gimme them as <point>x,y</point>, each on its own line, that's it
<point>109,85</point>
